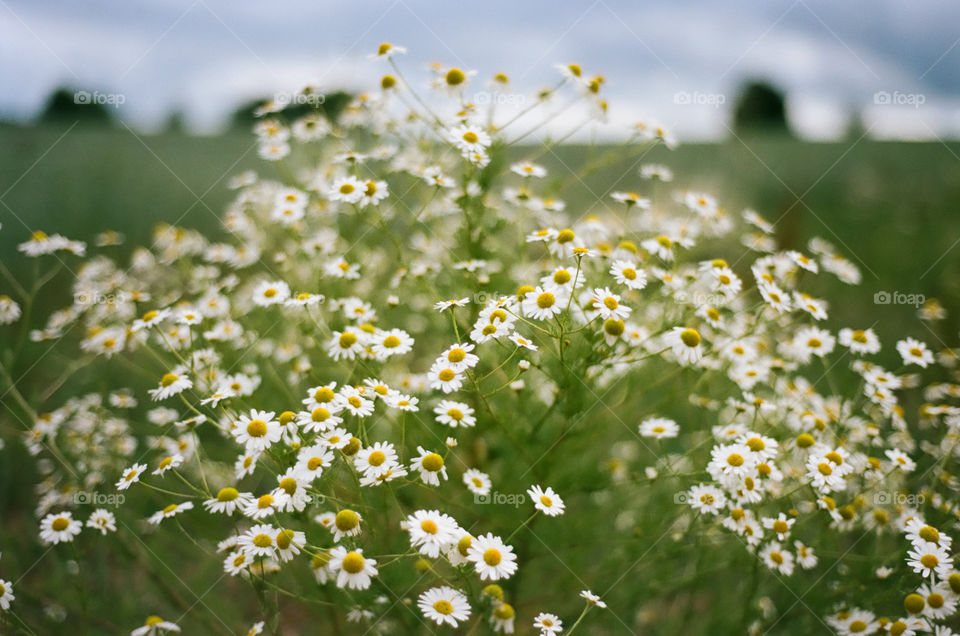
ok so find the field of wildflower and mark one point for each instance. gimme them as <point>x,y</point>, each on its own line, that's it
<point>420,375</point>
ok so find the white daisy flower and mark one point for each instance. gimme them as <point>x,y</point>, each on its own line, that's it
<point>444,605</point>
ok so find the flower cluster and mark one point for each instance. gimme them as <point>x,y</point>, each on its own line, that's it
<point>403,327</point>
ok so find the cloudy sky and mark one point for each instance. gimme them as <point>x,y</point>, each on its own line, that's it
<point>205,56</point>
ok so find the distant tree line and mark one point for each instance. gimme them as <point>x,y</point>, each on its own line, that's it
<point>70,105</point>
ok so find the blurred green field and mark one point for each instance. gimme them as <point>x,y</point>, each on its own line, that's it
<point>891,208</point>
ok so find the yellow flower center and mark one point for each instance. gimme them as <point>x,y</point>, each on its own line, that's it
<point>690,337</point>
<point>492,557</point>
<point>346,520</point>
<point>455,77</point>
<point>60,524</point>
<point>377,458</point>
<point>227,494</point>
<point>432,462</point>
<point>168,379</point>
<point>443,607</point>
<point>257,428</point>
<point>545,300</point>
<point>353,562</point>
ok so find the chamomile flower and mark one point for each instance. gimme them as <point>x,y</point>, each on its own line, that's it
<point>659,428</point>
<point>592,599</point>
<point>59,527</point>
<point>445,377</point>
<point>171,384</point>
<point>929,559</point>
<point>444,605</point>
<point>168,463</point>
<point>130,476</point>
<point>900,460</point>
<point>257,431</point>
<point>627,273</point>
<point>260,507</point>
<point>355,401</point>
<point>685,342</point>
<point>548,624</point>
<point>706,499</point>
<point>258,541</point>
<point>914,352</point>
<point>492,558</point>
<point>154,626</point>
<point>443,305</point>
<point>431,531</point>
<point>376,459</point>
<point>631,199</point>
<point>387,50</point>
<point>269,293</point>
<point>347,344</point>
<point>347,190</point>
<point>391,343</point>
<point>607,305</point>
<point>289,542</point>
<point>430,465</point>
<point>171,510</point>
<point>469,138</point>
<point>102,520</point>
<point>454,414</point>
<point>777,558</point>
<point>780,525</point>
<point>546,501</point>
<point>478,482</point>
<point>460,355</point>
<point>527,169</point>
<point>353,571</point>
<point>543,304</point>
<point>346,523</point>
<point>859,341</point>
<point>228,500</point>
<point>6,594</point>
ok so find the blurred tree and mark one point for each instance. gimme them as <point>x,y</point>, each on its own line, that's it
<point>855,125</point>
<point>330,106</point>
<point>175,123</point>
<point>66,104</point>
<point>760,109</point>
